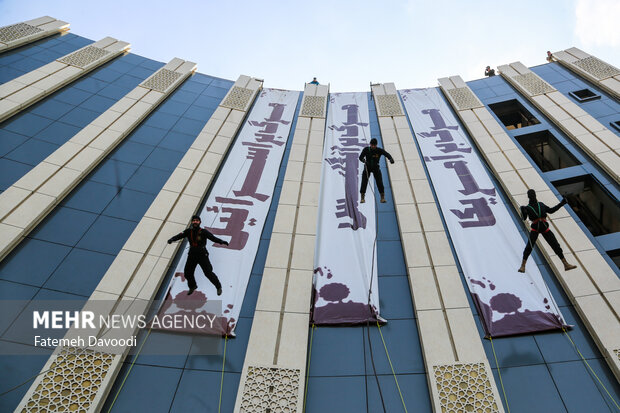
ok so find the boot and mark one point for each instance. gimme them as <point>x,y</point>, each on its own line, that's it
<point>363,199</point>
<point>219,291</point>
<point>522,268</point>
<point>567,266</point>
<point>383,198</point>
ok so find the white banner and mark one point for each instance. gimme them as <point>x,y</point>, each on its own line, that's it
<point>345,258</point>
<point>236,210</point>
<point>487,241</point>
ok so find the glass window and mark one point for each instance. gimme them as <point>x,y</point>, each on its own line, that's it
<point>584,95</point>
<point>592,203</point>
<point>546,151</point>
<point>615,256</point>
<point>513,114</point>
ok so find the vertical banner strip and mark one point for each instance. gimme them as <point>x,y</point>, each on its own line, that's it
<point>486,239</point>
<point>345,262</point>
<point>236,211</point>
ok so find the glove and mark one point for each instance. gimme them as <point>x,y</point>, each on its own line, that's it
<point>170,241</point>
<point>564,201</point>
<point>392,161</point>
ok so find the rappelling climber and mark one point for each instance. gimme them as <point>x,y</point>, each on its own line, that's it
<point>198,254</point>
<point>370,156</point>
<point>537,213</point>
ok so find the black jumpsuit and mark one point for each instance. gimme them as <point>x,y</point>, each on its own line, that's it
<point>198,254</point>
<point>371,158</point>
<point>537,213</point>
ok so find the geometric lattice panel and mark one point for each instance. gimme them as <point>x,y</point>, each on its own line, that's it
<point>597,68</point>
<point>464,388</point>
<point>161,80</point>
<point>84,57</point>
<point>464,98</point>
<point>533,84</point>
<point>313,107</point>
<point>617,352</point>
<point>388,105</point>
<point>17,31</point>
<point>72,382</point>
<point>238,98</point>
<point>270,389</point>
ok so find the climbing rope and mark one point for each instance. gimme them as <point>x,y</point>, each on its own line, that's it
<point>372,273</point>
<point>149,331</point>
<point>102,334</point>
<point>583,359</point>
<point>374,369</point>
<point>308,366</point>
<point>499,373</point>
<point>129,371</point>
<point>591,369</point>
<point>219,405</point>
<point>392,367</point>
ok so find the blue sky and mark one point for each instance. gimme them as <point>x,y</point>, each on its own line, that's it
<point>345,43</point>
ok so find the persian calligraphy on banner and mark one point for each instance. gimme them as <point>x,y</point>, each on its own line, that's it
<point>486,239</point>
<point>345,259</point>
<point>236,210</point>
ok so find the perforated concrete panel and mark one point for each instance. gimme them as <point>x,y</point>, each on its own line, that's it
<point>238,98</point>
<point>533,84</point>
<point>19,34</point>
<point>597,68</point>
<point>84,57</point>
<point>313,107</point>
<point>17,31</point>
<point>464,98</point>
<point>270,389</point>
<point>162,80</point>
<point>71,383</point>
<point>388,105</point>
<point>464,388</point>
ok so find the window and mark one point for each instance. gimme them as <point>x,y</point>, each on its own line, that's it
<point>513,114</point>
<point>584,95</point>
<point>615,125</point>
<point>546,151</point>
<point>615,256</point>
<point>592,203</point>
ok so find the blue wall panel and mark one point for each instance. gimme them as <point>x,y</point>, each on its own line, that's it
<point>342,377</point>
<point>72,248</point>
<point>199,386</point>
<point>24,59</point>
<point>39,130</point>
<point>606,109</point>
<point>588,167</point>
<point>531,365</point>
<point>69,251</point>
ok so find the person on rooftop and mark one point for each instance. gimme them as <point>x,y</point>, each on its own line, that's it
<point>489,72</point>
<point>314,81</point>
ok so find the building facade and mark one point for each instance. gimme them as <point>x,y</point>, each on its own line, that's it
<point>105,154</point>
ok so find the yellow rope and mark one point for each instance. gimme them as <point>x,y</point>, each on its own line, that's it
<point>499,373</point>
<point>591,369</point>
<point>129,371</point>
<point>392,367</point>
<point>219,406</point>
<point>308,367</point>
